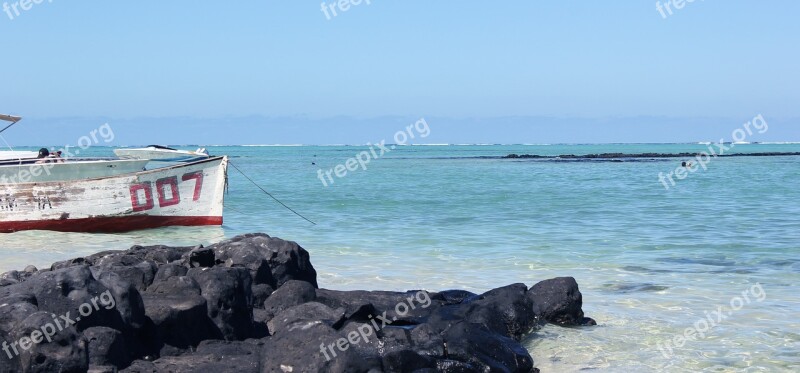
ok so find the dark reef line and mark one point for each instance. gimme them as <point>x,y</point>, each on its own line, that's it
<point>644,155</point>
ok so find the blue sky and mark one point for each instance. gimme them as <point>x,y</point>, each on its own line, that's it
<point>574,63</point>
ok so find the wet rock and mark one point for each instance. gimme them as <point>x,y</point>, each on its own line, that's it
<point>162,254</point>
<point>106,347</point>
<point>177,285</point>
<point>102,369</point>
<point>510,301</point>
<point>178,320</point>
<point>141,366</point>
<point>559,301</point>
<point>49,348</point>
<point>10,275</point>
<point>92,259</point>
<point>449,297</point>
<point>201,257</point>
<point>14,309</point>
<point>9,362</point>
<point>289,319</point>
<point>286,259</point>
<point>68,263</point>
<point>122,259</point>
<point>125,300</point>
<point>245,355</point>
<point>260,294</point>
<point>169,270</point>
<point>68,291</point>
<point>411,307</point>
<point>229,297</point>
<point>300,351</point>
<point>483,348</point>
<point>140,274</point>
<point>408,361</point>
<point>291,294</point>
<point>215,356</point>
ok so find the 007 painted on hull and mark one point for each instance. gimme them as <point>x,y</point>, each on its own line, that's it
<point>187,194</point>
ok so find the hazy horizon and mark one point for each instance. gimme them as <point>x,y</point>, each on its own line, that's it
<point>261,130</point>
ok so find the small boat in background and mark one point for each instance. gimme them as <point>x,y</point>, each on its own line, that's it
<point>35,170</point>
<point>162,154</point>
<point>16,155</point>
<point>12,155</point>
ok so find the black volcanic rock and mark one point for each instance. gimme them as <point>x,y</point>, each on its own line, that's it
<point>293,293</point>
<point>201,257</point>
<point>178,320</point>
<point>271,260</point>
<point>559,301</point>
<point>106,347</point>
<point>229,299</point>
<point>189,309</point>
<point>407,308</point>
<point>214,356</point>
<point>65,353</point>
<point>287,320</point>
<point>512,302</point>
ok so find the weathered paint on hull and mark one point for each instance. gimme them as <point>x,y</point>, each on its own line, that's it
<point>187,194</point>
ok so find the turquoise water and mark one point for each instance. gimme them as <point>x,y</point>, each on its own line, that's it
<point>651,262</point>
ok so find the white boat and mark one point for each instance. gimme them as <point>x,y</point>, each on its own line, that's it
<point>16,155</point>
<point>37,170</point>
<point>13,155</point>
<point>186,194</point>
<point>162,154</point>
<point>108,194</point>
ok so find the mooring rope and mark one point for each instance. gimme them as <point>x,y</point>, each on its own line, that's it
<point>269,194</point>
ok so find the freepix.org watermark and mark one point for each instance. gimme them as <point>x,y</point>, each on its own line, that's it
<point>362,159</point>
<point>703,326</point>
<point>49,330</point>
<point>45,164</point>
<point>666,9</point>
<point>330,9</point>
<point>354,338</point>
<point>15,8</point>
<point>702,159</point>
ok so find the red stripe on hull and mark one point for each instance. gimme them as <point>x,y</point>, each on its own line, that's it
<point>109,224</point>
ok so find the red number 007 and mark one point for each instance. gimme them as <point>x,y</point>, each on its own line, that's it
<point>164,199</point>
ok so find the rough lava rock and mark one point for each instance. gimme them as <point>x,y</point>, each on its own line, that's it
<point>559,301</point>
<point>286,260</point>
<point>252,304</point>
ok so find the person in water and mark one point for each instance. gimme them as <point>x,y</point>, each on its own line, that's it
<point>686,164</point>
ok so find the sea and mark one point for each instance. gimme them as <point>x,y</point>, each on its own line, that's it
<point>702,275</point>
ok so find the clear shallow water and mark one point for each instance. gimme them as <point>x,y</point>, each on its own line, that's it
<point>650,262</point>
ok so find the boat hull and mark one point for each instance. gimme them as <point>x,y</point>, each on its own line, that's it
<point>185,195</point>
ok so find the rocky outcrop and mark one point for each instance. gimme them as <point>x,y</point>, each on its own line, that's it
<point>252,304</point>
